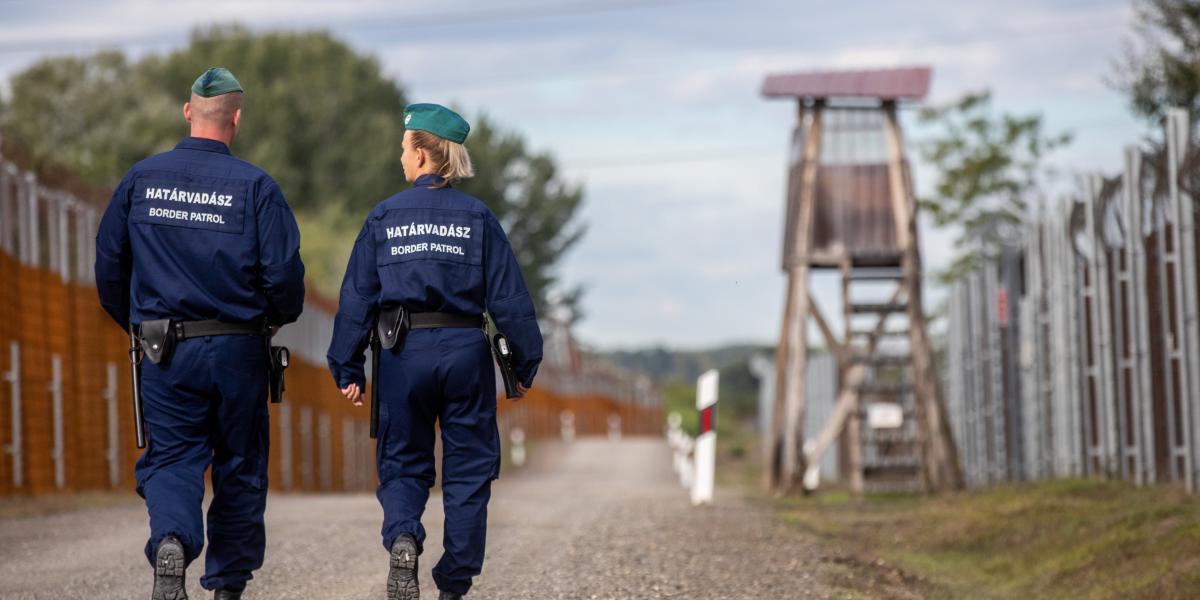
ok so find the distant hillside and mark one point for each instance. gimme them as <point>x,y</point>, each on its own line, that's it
<point>677,371</point>
<point>664,364</point>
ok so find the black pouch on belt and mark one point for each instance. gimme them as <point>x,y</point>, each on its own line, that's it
<point>158,339</point>
<point>392,327</point>
<point>280,357</point>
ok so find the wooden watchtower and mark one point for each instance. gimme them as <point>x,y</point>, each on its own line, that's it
<point>851,211</point>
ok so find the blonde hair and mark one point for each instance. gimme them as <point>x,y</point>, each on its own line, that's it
<point>452,160</point>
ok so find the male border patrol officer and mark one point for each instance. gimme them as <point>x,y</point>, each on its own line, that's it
<point>442,256</point>
<point>207,241</point>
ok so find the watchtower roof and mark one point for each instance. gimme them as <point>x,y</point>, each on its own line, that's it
<point>910,83</point>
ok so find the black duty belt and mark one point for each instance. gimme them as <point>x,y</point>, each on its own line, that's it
<point>432,320</point>
<point>158,336</point>
<point>195,329</point>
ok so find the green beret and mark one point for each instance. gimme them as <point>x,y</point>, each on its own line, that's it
<point>437,120</point>
<point>214,82</point>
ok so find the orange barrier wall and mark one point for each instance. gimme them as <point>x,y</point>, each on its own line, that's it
<point>327,447</point>
<point>319,442</point>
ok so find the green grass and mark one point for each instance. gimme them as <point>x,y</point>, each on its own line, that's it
<point>1063,539</point>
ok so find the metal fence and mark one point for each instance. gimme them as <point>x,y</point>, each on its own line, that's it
<point>1074,351</point>
<point>65,415</point>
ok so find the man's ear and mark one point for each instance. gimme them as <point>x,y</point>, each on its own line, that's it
<point>187,112</point>
<point>237,118</point>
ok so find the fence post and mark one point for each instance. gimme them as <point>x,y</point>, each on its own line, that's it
<point>285,445</point>
<point>349,458</point>
<point>113,452</point>
<point>57,453</point>
<point>325,450</point>
<point>1102,341</point>
<point>13,377</point>
<point>8,210</point>
<point>1071,314</point>
<point>1178,132</point>
<point>306,448</point>
<point>33,235</point>
<point>1139,368</point>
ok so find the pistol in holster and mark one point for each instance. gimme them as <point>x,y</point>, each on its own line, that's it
<point>504,359</point>
<point>278,359</point>
<point>391,328</point>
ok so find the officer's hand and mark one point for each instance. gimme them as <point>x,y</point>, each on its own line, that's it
<point>353,394</point>
<point>521,390</point>
<point>274,330</point>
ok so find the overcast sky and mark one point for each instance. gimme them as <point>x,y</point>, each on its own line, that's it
<point>654,108</point>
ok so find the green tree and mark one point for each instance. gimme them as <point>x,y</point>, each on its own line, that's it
<point>989,169</point>
<point>94,116</point>
<point>536,207</point>
<point>323,119</point>
<point>1160,67</point>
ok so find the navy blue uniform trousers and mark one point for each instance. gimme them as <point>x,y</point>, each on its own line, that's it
<point>208,405</point>
<point>442,376</point>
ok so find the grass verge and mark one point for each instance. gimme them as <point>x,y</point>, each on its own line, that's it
<point>1061,539</point>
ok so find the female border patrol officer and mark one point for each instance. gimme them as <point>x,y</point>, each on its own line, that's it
<point>442,256</point>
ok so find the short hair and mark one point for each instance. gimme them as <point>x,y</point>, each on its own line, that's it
<point>450,158</point>
<point>217,108</point>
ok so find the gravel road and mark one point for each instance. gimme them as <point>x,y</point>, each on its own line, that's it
<point>593,519</point>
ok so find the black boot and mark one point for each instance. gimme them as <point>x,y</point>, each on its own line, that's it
<point>169,577</point>
<point>227,595</point>
<point>402,578</point>
<point>444,595</point>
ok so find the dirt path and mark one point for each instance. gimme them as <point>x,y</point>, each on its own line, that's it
<point>593,519</point>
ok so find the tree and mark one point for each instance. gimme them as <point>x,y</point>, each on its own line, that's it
<point>989,168</point>
<point>1161,69</point>
<point>94,116</point>
<point>535,206</point>
<point>323,119</point>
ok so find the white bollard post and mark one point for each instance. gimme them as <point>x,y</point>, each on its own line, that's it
<point>567,419</point>
<point>614,427</point>
<point>706,440</point>
<point>687,467</point>
<point>517,436</point>
<point>674,441</point>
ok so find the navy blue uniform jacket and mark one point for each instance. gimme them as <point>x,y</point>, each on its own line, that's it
<point>194,234</point>
<point>432,249</point>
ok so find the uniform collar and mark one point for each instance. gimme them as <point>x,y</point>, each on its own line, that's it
<point>430,180</point>
<point>205,144</point>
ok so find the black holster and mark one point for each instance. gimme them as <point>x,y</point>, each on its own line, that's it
<point>279,358</point>
<point>158,340</point>
<point>391,328</point>
<point>504,359</point>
